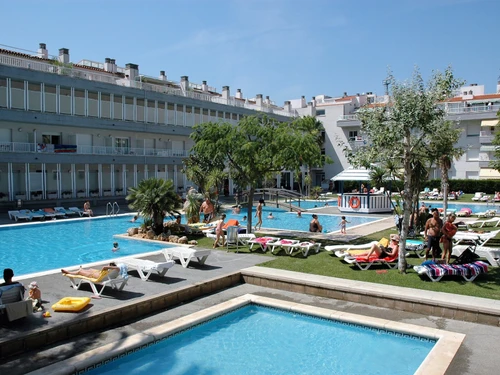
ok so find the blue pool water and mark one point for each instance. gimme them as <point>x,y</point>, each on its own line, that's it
<point>457,206</point>
<point>290,221</point>
<point>310,204</point>
<point>256,340</point>
<point>57,244</point>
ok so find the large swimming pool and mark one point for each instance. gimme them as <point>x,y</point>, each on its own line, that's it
<point>290,221</point>
<point>256,340</point>
<point>55,244</point>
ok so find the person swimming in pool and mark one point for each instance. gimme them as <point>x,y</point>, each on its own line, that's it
<point>116,247</point>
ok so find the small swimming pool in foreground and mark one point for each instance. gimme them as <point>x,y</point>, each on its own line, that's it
<point>276,337</point>
<point>63,243</point>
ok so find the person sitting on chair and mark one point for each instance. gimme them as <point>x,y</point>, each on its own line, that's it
<point>381,251</point>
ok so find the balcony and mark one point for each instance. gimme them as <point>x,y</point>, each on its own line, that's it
<point>486,137</point>
<point>18,147</point>
<point>473,109</point>
<point>172,88</point>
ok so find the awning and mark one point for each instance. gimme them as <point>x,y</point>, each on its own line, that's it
<point>489,173</point>
<point>352,174</point>
<point>489,123</point>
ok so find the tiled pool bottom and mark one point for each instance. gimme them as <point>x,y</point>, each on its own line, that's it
<point>436,362</point>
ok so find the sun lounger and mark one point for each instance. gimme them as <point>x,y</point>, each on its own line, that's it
<point>303,247</point>
<point>468,271</point>
<point>478,239</point>
<point>146,267</point>
<point>261,242</point>
<point>494,222</point>
<point>65,211</point>
<point>364,264</point>
<point>33,214</point>
<point>116,279</point>
<point>464,212</point>
<point>491,254</point>
<point>53,213</point>
<point>477,196</point>
<point>78,211</point>
<point>186,254</point>
<point>277,245</point>
<point>349,249</point>
<point>16,215</point>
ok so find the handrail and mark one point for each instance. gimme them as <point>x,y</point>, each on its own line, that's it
<point>110,207</point>
<point>115,204</point>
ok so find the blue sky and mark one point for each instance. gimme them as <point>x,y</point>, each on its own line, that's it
<point>281,48</point>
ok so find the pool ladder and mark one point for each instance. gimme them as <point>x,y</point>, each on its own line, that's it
<point>112,209</point>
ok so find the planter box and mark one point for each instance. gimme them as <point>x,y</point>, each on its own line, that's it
<point>80,195</point>
<point>4,199</point>
<point>107,193</point>
<point>36,197</point>
<point>52,195</point>
<point>94,194</point>
<point>66,195</point>
<point>20,196</point>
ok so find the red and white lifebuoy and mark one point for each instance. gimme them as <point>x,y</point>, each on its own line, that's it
<point>354,202</point>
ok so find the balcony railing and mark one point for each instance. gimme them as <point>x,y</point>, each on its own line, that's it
<point>92,150</point>
<point>348,118</point>
<point>473,109</point>
<point>115,80</point>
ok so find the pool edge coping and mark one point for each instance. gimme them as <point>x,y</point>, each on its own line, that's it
<point>435,363</point>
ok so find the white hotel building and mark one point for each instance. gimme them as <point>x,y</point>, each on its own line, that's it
<point>475,111</point>
<point>70,132</point>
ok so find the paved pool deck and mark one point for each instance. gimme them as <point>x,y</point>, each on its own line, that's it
<point>223,274</point>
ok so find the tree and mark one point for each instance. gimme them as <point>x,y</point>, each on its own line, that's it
<point>153,198</point>
<point>315,130</point>
<point>496,141</point>
<point>400,130</point>
<point>257,148</point>
<point>442,151</point>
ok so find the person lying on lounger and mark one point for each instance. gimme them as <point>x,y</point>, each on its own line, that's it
<point>381,251</point>
<point>91,273</point>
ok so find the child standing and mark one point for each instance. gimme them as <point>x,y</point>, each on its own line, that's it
<point>343,225</point>
<point>449,230</point>
<point>35,295</point>
<point>219,232</point>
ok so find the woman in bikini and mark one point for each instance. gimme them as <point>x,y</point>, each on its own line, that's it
<point>258,214</point>
<point>91,273</point>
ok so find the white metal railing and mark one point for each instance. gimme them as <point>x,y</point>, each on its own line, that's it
<point>94,150</point>
<point>348,118</point>
<point>115,80</point>
<point>473,109</point>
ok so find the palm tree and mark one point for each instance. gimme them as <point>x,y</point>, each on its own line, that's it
<point>153,198</point>
<point>443,152</point>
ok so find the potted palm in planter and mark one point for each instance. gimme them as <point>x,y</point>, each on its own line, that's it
<point>66,194</point>
<point>94,193</point>
<point>80,194</point>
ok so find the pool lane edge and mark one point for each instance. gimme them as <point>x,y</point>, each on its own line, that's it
<point>435,363</point>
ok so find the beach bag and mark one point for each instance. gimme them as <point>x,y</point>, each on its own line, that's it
<point>468,256</point>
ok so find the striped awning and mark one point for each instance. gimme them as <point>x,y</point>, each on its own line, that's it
<point>489,123</point>
<point>352,174</point>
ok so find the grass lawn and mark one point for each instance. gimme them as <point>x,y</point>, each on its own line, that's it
<point>327,264</point>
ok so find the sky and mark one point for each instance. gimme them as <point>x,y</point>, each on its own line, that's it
<point>283,49</point>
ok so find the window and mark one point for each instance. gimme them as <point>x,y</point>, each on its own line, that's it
<point>470,92</point>
<point>3,92</point>
<point>320,112</point>
<point>353,134</point>
<point>473,154</point>
<point>79,102</point>
<point>93,104</point>
<point>17,94</point>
